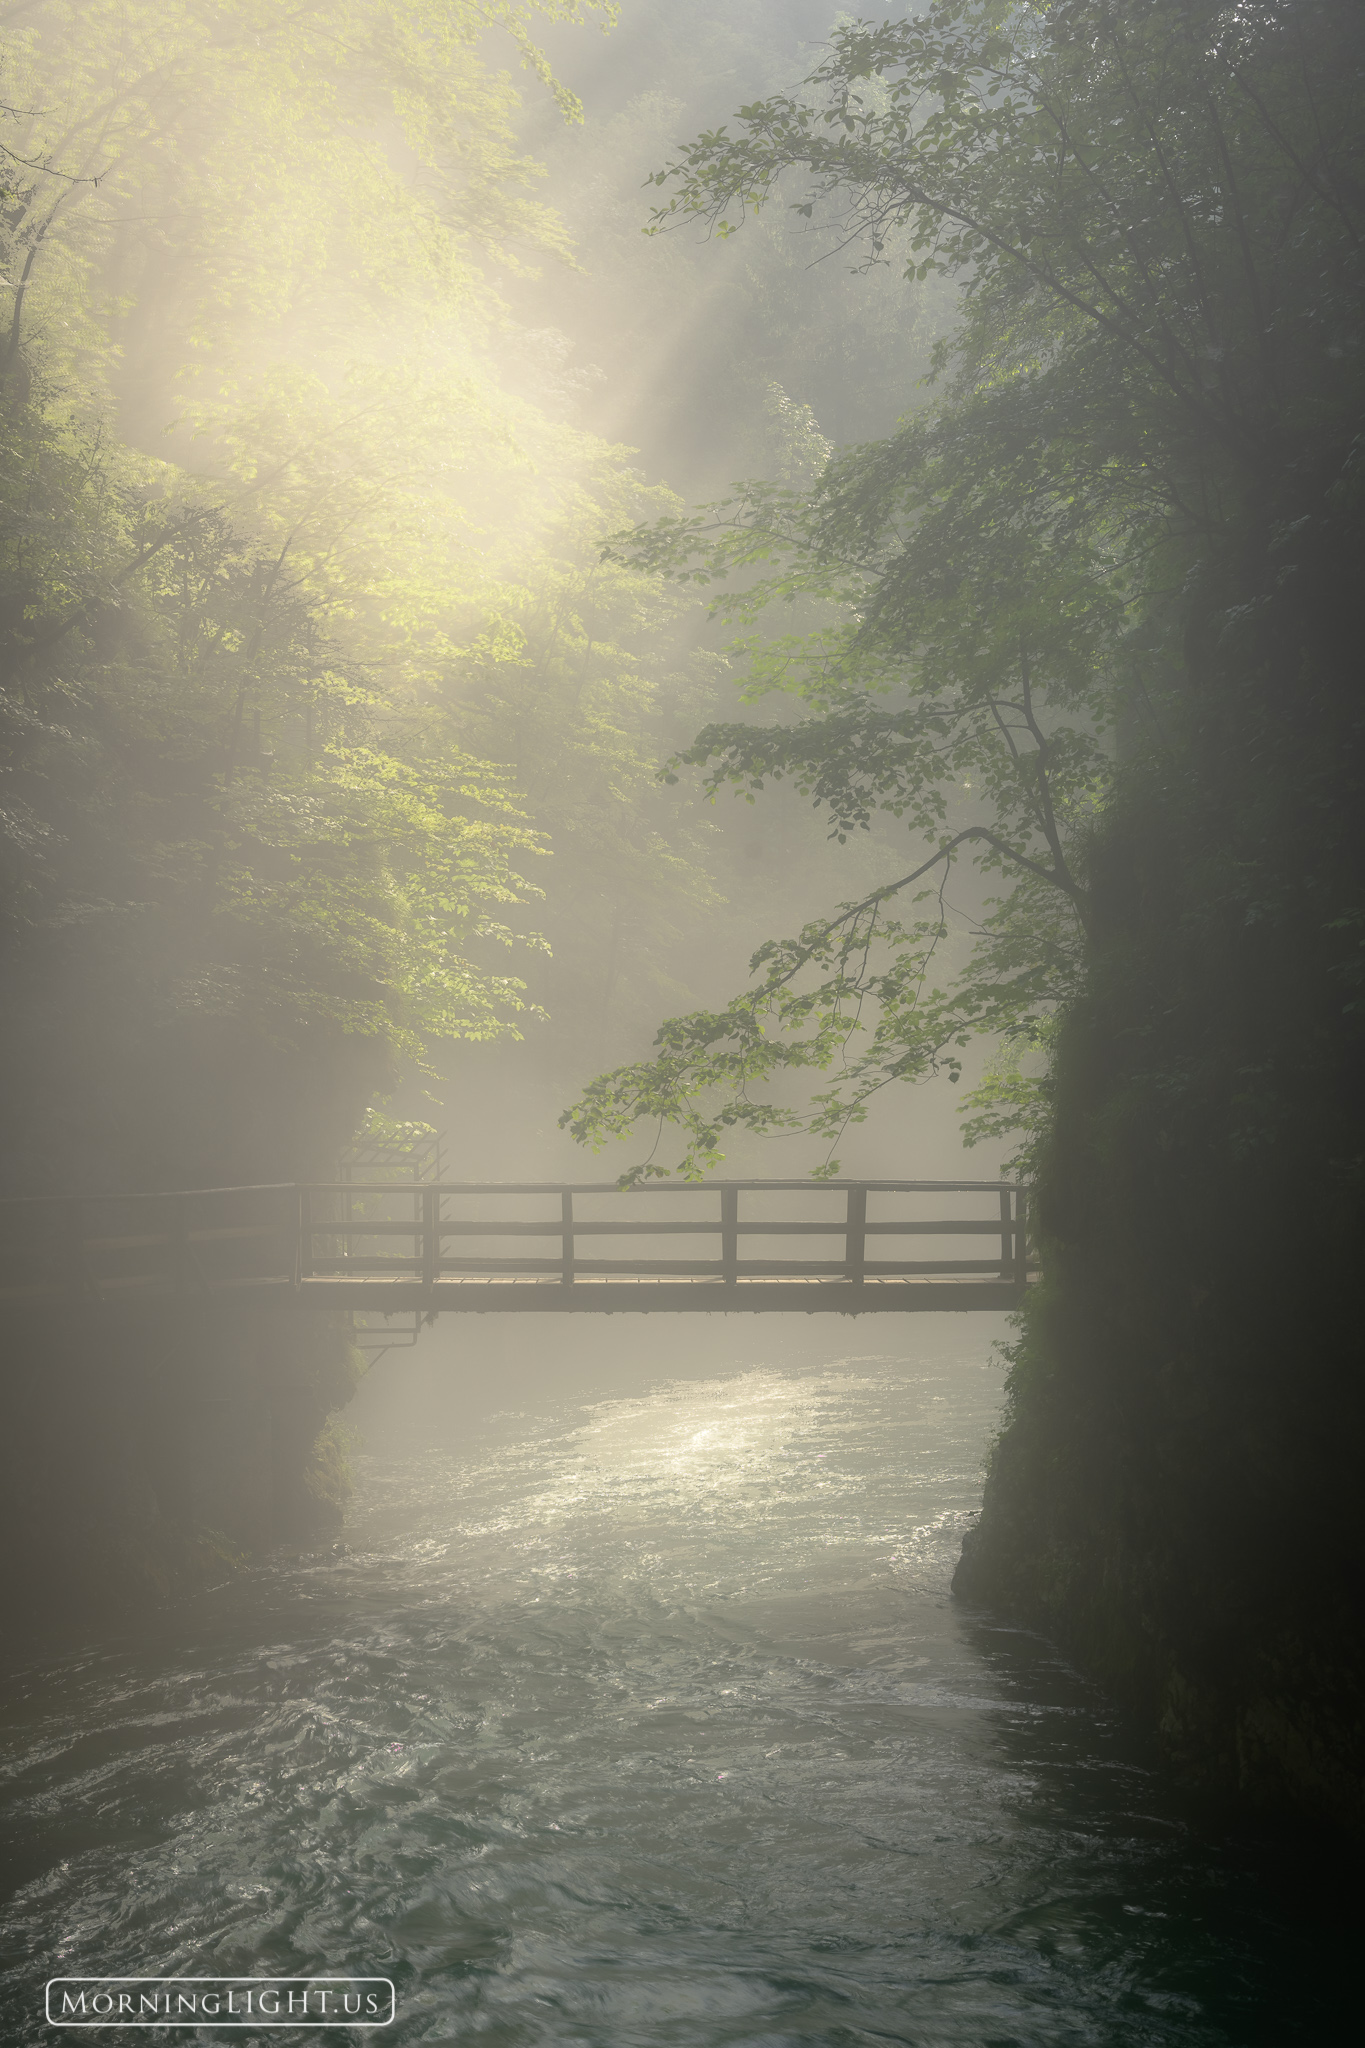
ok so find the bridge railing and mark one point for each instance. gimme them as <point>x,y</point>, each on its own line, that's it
<point>112,1247</point>
<point>291,1238</point>
<point>737,1217</point>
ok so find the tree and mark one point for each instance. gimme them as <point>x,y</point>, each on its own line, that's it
<point>242,830</point>
<point>224,841</point>
<point>1154,215</point>
<point>577,682</point>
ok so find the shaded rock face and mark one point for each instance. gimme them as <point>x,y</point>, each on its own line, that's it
<point>1234,1639</point>
<point>148,1452</point>
<point>1175,1496</point>
<point>1247,1666</point>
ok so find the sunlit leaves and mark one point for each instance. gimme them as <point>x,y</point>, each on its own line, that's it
<point>575,678</point>
<point>260,243</point>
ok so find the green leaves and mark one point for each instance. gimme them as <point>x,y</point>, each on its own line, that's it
<point>858,994</point>
<point>1151,178</point>
<point>578,676</point>
<point>262,244</point>
<point>1154,215</point>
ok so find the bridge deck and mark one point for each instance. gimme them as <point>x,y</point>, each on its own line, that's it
<point>621,1294</point>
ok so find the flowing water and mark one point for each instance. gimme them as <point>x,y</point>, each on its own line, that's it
<point>648,1722</point>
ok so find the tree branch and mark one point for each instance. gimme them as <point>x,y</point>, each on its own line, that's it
<point>1063,881</point>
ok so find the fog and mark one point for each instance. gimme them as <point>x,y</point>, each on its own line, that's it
<point>677,345</point>
<point>395,383</point>
<point>366,351</point>
<point>593,593</point>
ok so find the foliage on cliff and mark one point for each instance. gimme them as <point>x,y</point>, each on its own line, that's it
<point>1147,429</point>
<point>1175,1495</point>
<point>1093,615</point>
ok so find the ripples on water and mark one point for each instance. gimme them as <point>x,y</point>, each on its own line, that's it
<point>647,1722</point>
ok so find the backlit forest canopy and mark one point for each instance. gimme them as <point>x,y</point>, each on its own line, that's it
<point>308,655</point>
<point>331,738</point>
<point>1063,580</point>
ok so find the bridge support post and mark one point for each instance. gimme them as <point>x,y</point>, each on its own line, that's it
<point>729,1236</point>
<point>855,1235</point>
<point>431,1236</point>
<point>1007,1237</point>
<point>567,1246</point>
<point>303,1238</point>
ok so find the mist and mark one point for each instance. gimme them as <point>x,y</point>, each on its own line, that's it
<point>693,591</point>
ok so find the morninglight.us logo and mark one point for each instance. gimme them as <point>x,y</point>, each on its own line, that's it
<point>220,2002</point>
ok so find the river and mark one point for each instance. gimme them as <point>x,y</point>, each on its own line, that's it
<point>646,1721</point>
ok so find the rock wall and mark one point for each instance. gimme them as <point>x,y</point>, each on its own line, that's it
<point>146,1451</point>
<point>1175,1496</point>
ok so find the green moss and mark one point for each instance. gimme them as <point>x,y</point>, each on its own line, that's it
<point>326,1477</point>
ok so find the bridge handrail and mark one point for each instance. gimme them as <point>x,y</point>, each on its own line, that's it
<point>523,1187</point>
<point>293,1233</point>
<point>269,1187</point>
<point>665,1187</point>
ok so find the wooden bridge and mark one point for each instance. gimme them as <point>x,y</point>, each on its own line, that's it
<point>382,1248</point>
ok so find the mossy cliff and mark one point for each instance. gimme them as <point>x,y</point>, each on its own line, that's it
<point>148,1451</point>
<point>1176,1494</point>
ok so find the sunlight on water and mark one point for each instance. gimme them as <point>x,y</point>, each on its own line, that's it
<point>649,1722</point>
